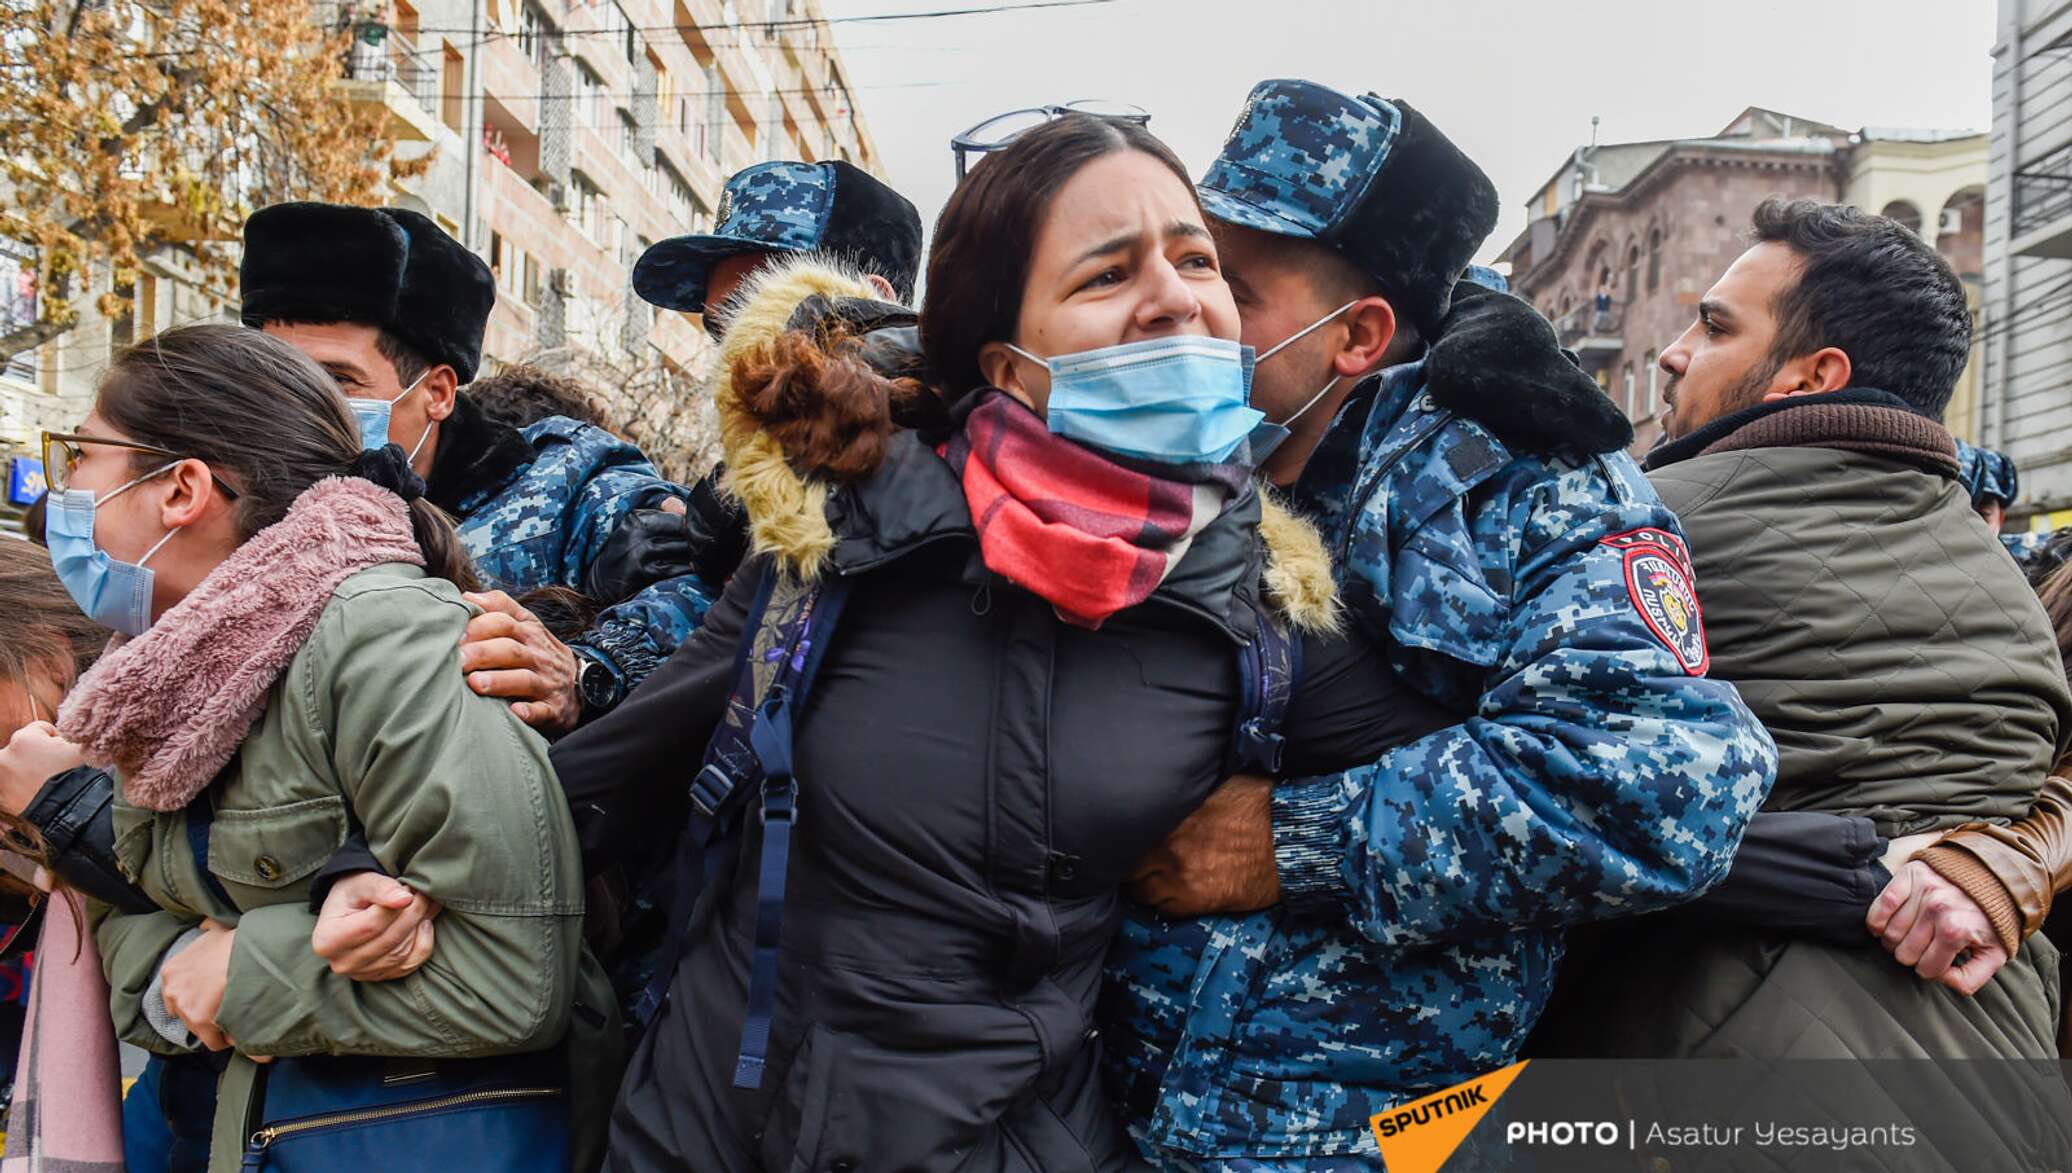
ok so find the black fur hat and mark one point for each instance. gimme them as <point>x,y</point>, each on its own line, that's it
<point>386,267</point>
<point>1371,178</point>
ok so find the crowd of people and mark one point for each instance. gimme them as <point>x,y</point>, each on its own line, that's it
<point>1209,672</point>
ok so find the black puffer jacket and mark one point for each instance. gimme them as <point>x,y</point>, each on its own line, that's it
<point>977,780</point>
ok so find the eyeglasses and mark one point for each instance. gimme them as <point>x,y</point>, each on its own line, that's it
<point>62,453</point>
<point>1001,129</point>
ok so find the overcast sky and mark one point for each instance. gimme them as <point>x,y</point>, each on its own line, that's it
<point>1513,83</point>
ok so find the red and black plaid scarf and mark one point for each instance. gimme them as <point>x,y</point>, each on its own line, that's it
<point>1088,534</point>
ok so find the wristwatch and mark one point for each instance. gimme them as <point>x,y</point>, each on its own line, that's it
<point>598,684</point>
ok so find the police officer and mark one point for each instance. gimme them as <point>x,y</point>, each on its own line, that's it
<point>767,212</point>
<point>394,309</point>
<point>779,209</point>
<point>1484,519</point>
<point>1991,479</point>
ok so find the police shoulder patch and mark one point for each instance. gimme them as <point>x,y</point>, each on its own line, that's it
<point>1663,587</point>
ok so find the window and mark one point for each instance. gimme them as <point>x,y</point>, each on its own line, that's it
<point>705,141</point>
<point>1626,403</point>
<point>122,328</point>
<point>590,105</point>
<point>612,27</point>
<point>1654,372</point>
<point>534,286</point>
<point>535,36</point>
<point>1632,273</point>
<point>627,33</point>
<point>589,208</point>
<point>624,140</point>
<point>665,94</point>
<point>1654,258</point>
<point>18,290</point>
<point>452,89</point>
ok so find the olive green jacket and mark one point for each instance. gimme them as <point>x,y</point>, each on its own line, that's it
<point>372,722</point>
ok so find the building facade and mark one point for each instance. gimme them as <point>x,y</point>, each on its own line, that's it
<point>565,138</point>
<point>2024,409</point>
<point>1625,238</point>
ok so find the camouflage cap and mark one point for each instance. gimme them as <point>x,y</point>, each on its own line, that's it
<point>1987,475</point>
<point>789,207</point>
<point>1371,178</point>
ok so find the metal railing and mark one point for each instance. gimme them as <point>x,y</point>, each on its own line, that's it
<point>1587,322</point>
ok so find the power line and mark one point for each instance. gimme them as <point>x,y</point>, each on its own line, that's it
<point>769,26</point>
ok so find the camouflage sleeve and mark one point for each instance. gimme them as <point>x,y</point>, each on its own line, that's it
<point>634,635</point>
<point>1602,774</point>
<point>2032,551</point>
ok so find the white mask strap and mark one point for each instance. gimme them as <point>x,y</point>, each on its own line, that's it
<point>413,385</point>
<point>155,545</point>
<point>1312,327</point>
<point>132,483</point>
<point>1025,354</point>
<point>1313,401</point>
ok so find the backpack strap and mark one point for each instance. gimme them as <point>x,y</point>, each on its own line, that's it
<point>1268,667</point>
<point>770,737</point>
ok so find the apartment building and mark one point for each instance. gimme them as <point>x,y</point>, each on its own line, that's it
<point>565,135</point>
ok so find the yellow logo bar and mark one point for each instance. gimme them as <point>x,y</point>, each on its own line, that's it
<point>1419,1136</point>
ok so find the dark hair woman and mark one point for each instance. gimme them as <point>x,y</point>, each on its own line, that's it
<point>291,607</point>
<point>1050,553</point>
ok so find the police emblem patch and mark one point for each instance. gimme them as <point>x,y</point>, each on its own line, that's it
<point>1663,588</point>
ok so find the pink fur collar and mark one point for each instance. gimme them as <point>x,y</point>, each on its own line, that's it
<point>171,706</point>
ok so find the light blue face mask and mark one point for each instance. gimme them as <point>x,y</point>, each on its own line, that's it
<point>113,593</point>
<point>1269,436</point>
<point>1176,400</point>
<point>373,415</point>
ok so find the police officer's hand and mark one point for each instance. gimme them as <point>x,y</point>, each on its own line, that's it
<point>34,756</point>
<point>1220,859</point>
<point>507,652</point>
<point>650,545</point>
<point>374,928</point>
<point>1927,923</point>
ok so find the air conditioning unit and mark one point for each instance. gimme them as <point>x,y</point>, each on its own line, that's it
<point>557,195</point>
<point>1952,220</point>
<point>562,282</point>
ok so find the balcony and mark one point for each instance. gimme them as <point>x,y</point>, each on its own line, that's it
<point>2043,206</point>
<point>1592,333</point>
<point>381,70</point>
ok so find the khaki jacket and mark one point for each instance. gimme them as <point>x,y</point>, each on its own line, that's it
<point>372,722</point>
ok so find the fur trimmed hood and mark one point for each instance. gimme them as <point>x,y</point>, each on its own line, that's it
<point>787,506</point>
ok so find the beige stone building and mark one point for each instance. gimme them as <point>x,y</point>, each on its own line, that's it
<point>1625,238</point>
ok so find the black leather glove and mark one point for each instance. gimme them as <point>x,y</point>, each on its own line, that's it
<point>652,545</point>
<point>1498,362</point>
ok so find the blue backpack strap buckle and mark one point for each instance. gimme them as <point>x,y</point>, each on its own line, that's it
<point>1260,749</point>
<point>710,789</point>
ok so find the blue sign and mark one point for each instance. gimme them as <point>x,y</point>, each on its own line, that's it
<point>24,480</point>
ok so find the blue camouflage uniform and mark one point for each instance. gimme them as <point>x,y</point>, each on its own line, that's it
<point>1596,773</point>
<point>543,523</point>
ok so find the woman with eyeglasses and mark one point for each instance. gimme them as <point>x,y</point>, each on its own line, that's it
<point>1049,555</point>
<point>289,609</point>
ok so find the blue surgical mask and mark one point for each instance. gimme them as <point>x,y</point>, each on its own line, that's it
<point>113,593</point>
<point>1176,400</point>
<point>373,415</point>
<point>1269,436</point>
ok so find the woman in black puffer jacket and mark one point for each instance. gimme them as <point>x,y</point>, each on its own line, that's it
<point>1027,691</point>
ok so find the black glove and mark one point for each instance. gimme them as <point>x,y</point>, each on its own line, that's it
<point>1498,362</point>
<point>653,545</point>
